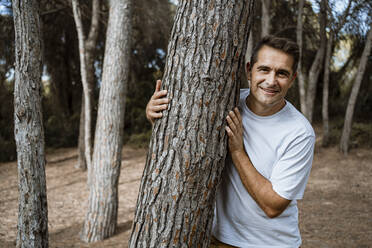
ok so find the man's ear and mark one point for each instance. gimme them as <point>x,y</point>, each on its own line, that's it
<point>293,78</point>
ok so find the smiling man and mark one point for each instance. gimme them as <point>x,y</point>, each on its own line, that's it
<point>271,148</point>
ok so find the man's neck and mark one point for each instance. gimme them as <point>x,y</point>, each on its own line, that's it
<point>261,110</point>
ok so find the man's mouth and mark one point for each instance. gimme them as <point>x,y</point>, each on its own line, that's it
<point>269,91</point>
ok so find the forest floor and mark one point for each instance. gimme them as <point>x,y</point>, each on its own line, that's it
<point>336,210</point>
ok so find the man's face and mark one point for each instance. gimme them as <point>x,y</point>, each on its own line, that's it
<point>270,78</point>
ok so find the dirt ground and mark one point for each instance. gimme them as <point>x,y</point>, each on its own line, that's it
<point>335,212</point>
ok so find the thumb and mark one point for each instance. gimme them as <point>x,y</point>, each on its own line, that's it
<point>158,85</point>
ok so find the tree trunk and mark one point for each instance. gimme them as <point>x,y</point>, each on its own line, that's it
<point>82,163</point>
<point>325,114</point>
<point>344,143</point>
<point>317,63</point>
<point>301,76</point>
<point>265,19</point>
<point>333,33</point>
<point>28,127</point>
<point>90,48</point>
<point>101,218</point>
<point>188,145</point>
<point>245,83</point>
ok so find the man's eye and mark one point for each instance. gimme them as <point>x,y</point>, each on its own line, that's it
<point>282,74</point>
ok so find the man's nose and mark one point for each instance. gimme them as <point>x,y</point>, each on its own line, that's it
<point>271,78</point>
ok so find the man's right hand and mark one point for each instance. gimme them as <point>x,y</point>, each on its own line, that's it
<point>157,103</point>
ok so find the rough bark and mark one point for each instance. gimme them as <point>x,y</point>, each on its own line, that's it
<point>301,76</point>
<point>90,48</point>
<point>188,145</point>
<point>325,113</point>
<point>317,63</point>
<point>344,143</point>
<point>265,19</point>
<point>101,218</point>
<point>28,127</point>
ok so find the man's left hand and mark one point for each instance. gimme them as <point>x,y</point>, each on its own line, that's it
<point>234,130</point>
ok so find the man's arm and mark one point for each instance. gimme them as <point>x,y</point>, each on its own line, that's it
<point>158,102</point>
<point>257,186</point>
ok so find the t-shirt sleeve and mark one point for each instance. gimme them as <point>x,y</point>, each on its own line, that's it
<point>290,174</point>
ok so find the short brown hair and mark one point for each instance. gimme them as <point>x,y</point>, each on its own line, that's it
<point>283,44</point>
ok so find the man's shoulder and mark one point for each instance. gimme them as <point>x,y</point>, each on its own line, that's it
<point>244,92</point>
<point>299,121</point>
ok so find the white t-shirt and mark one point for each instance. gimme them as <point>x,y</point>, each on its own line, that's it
<point>281,148</point>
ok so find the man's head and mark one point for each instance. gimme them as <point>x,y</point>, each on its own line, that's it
<point>271,73</point>
<point>283,44</point>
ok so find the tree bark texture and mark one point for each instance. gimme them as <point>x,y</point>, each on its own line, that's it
<point>28,127</point>
<point>317,63</point>
<point>90,50</point>
<point>344,143</point>
<point>188,146</point>
<point>265,19</point>
<point>325,113</point>
<point>301,76</point>
<point>101,218</point>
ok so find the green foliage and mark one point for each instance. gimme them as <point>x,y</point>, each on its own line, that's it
<point>7,142</point>
<point>61,133</point>
<point>138,140</point>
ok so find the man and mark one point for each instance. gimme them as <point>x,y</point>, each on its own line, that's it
<point>270,154</point>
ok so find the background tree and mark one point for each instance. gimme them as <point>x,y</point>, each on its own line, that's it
<point>88,46</point>
<point>300,77</point>
<point>29,133</point>
<point>86,100</point>
<point>344,143</point>
<point>317,63</point>
<point>334,26</point>
<point>188,146</point>
<point>265,20</point>
<point>101,219</point>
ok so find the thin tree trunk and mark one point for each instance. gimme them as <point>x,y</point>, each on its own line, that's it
<point>188,145</point>
<point>244,81</point>
<point>329,51</point>
<point>317,63</point>
<point>101,218</point>
<point>90,49</point>
<point>28,127</point>
<point>344,143</point>
<point>82,163</point>
<point>265,19</point>
<point>301,76</point>
<point>84,80</point>
<point>325,113</point>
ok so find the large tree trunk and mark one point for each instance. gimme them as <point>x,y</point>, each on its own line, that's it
<point>101,218</point>
<point>325,114</point>
<point>301,76</point>
<point>344,143</point>
<point>90,50</point>
<point>188,145</point>
<point>28,127</point>
<point>317,63</point>
<point>265,19</point>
